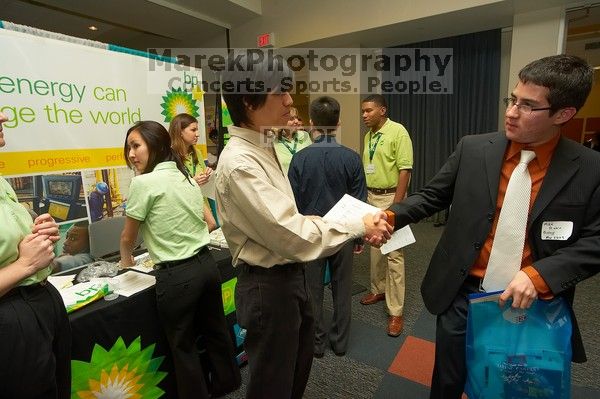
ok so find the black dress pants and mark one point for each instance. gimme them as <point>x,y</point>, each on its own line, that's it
<point>190,304</point>
<point>35,344</point>
<point>340,267</point>
<point>450,369</point>
<point>274,307</point>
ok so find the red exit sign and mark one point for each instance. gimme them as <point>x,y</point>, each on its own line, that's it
<point>266,40</point>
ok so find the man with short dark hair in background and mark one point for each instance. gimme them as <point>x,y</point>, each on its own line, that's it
<point>388,160</point>
<point>320,175</point>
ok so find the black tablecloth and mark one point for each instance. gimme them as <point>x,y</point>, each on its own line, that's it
<point>111,339</point>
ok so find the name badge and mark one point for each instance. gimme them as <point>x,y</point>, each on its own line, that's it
<point>559,231</point>
<point>370,169</point>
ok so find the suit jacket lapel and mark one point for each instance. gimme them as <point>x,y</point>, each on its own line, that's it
<point>562,167</point>
<point>494,156</point>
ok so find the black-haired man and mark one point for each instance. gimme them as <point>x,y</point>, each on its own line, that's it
<point>320,175</point>
<point>267,236</point>
<point>388,159</point>
<point>562,196</point>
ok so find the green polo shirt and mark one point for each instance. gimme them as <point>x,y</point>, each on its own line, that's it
<point>393,152</point>
<point>194,168</point>
<point>16,224</point>
<point>171,212</point>
<point>285,149</point>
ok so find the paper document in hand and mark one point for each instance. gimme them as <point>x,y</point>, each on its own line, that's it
<point>400,239</point>
<point>349,208</point>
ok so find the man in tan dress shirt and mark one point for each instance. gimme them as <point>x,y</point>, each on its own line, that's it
<point>267,236</point>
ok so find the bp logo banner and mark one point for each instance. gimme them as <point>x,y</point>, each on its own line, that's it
<point>119,372</point>
<point>69,105</point>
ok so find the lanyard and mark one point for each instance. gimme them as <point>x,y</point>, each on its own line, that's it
<point>291,150</point>
<point>193,164</point>
<point>372,147</point>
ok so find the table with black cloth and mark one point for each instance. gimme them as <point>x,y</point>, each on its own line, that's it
<point>120,344</point>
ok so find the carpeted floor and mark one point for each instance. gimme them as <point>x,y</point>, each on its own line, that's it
<point>380,367</point>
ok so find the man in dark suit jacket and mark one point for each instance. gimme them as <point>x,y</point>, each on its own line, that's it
<point>320,175</point>
<point>565,187</point>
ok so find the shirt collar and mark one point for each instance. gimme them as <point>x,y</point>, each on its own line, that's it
<point>543,153</point>
<point>325,138</point>
<point>252,136</point>
<point>165,165</point>
<point>294,136</point>
<point>387,120</point>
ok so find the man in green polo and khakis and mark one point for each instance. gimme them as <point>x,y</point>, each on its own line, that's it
<point>387,159</point>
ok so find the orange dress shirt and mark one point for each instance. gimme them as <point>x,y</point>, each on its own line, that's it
<point>537,170</point>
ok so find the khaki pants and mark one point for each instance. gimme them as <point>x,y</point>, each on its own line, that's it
<point>387,271</point>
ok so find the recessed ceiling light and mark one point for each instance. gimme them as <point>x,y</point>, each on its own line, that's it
<point>92,27</point>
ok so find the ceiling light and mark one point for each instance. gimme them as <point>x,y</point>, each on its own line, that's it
<point>92,27</point>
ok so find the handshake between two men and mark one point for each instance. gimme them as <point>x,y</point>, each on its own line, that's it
<point>377,228</point>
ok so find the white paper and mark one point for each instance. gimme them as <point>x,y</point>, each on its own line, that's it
<point>60,282</point>
<point>558,230</point>
<point>400,239</point>
<point>80,292</point>
<point>143,263</point>
<point>208,189</point>
<point>131,282</point>
<point>348,207</point>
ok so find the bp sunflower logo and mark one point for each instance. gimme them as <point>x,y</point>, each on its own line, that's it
<point>178,101</point>
<point>122,372</point>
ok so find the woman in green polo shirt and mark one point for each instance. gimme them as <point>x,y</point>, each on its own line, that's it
<point>35,336</point>
<point>166,205</point>
<point>184,136</point>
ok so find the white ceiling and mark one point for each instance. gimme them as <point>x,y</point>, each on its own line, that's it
<point>136,24</point>
<point>141,24</point>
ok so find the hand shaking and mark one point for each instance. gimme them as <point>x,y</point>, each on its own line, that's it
<point>378,231</point>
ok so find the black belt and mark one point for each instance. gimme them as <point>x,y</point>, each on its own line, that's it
<point>17,289</point>
<point>172,263</point>
<point>283,268</point>
<point>380,191</point>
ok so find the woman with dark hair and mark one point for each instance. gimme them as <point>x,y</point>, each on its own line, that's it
<point>184,136</point>
<point>167,207</point>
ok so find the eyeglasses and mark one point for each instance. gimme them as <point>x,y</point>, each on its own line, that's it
<point>523,108</point>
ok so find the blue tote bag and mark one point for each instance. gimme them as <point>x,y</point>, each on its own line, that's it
<point>516,353</point>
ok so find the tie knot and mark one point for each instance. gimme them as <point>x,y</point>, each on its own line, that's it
<point>527,156</point>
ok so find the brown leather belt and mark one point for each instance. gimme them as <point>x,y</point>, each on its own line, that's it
<point>380,191</point>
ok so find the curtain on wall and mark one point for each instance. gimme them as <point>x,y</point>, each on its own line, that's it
<point>436,122</point>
